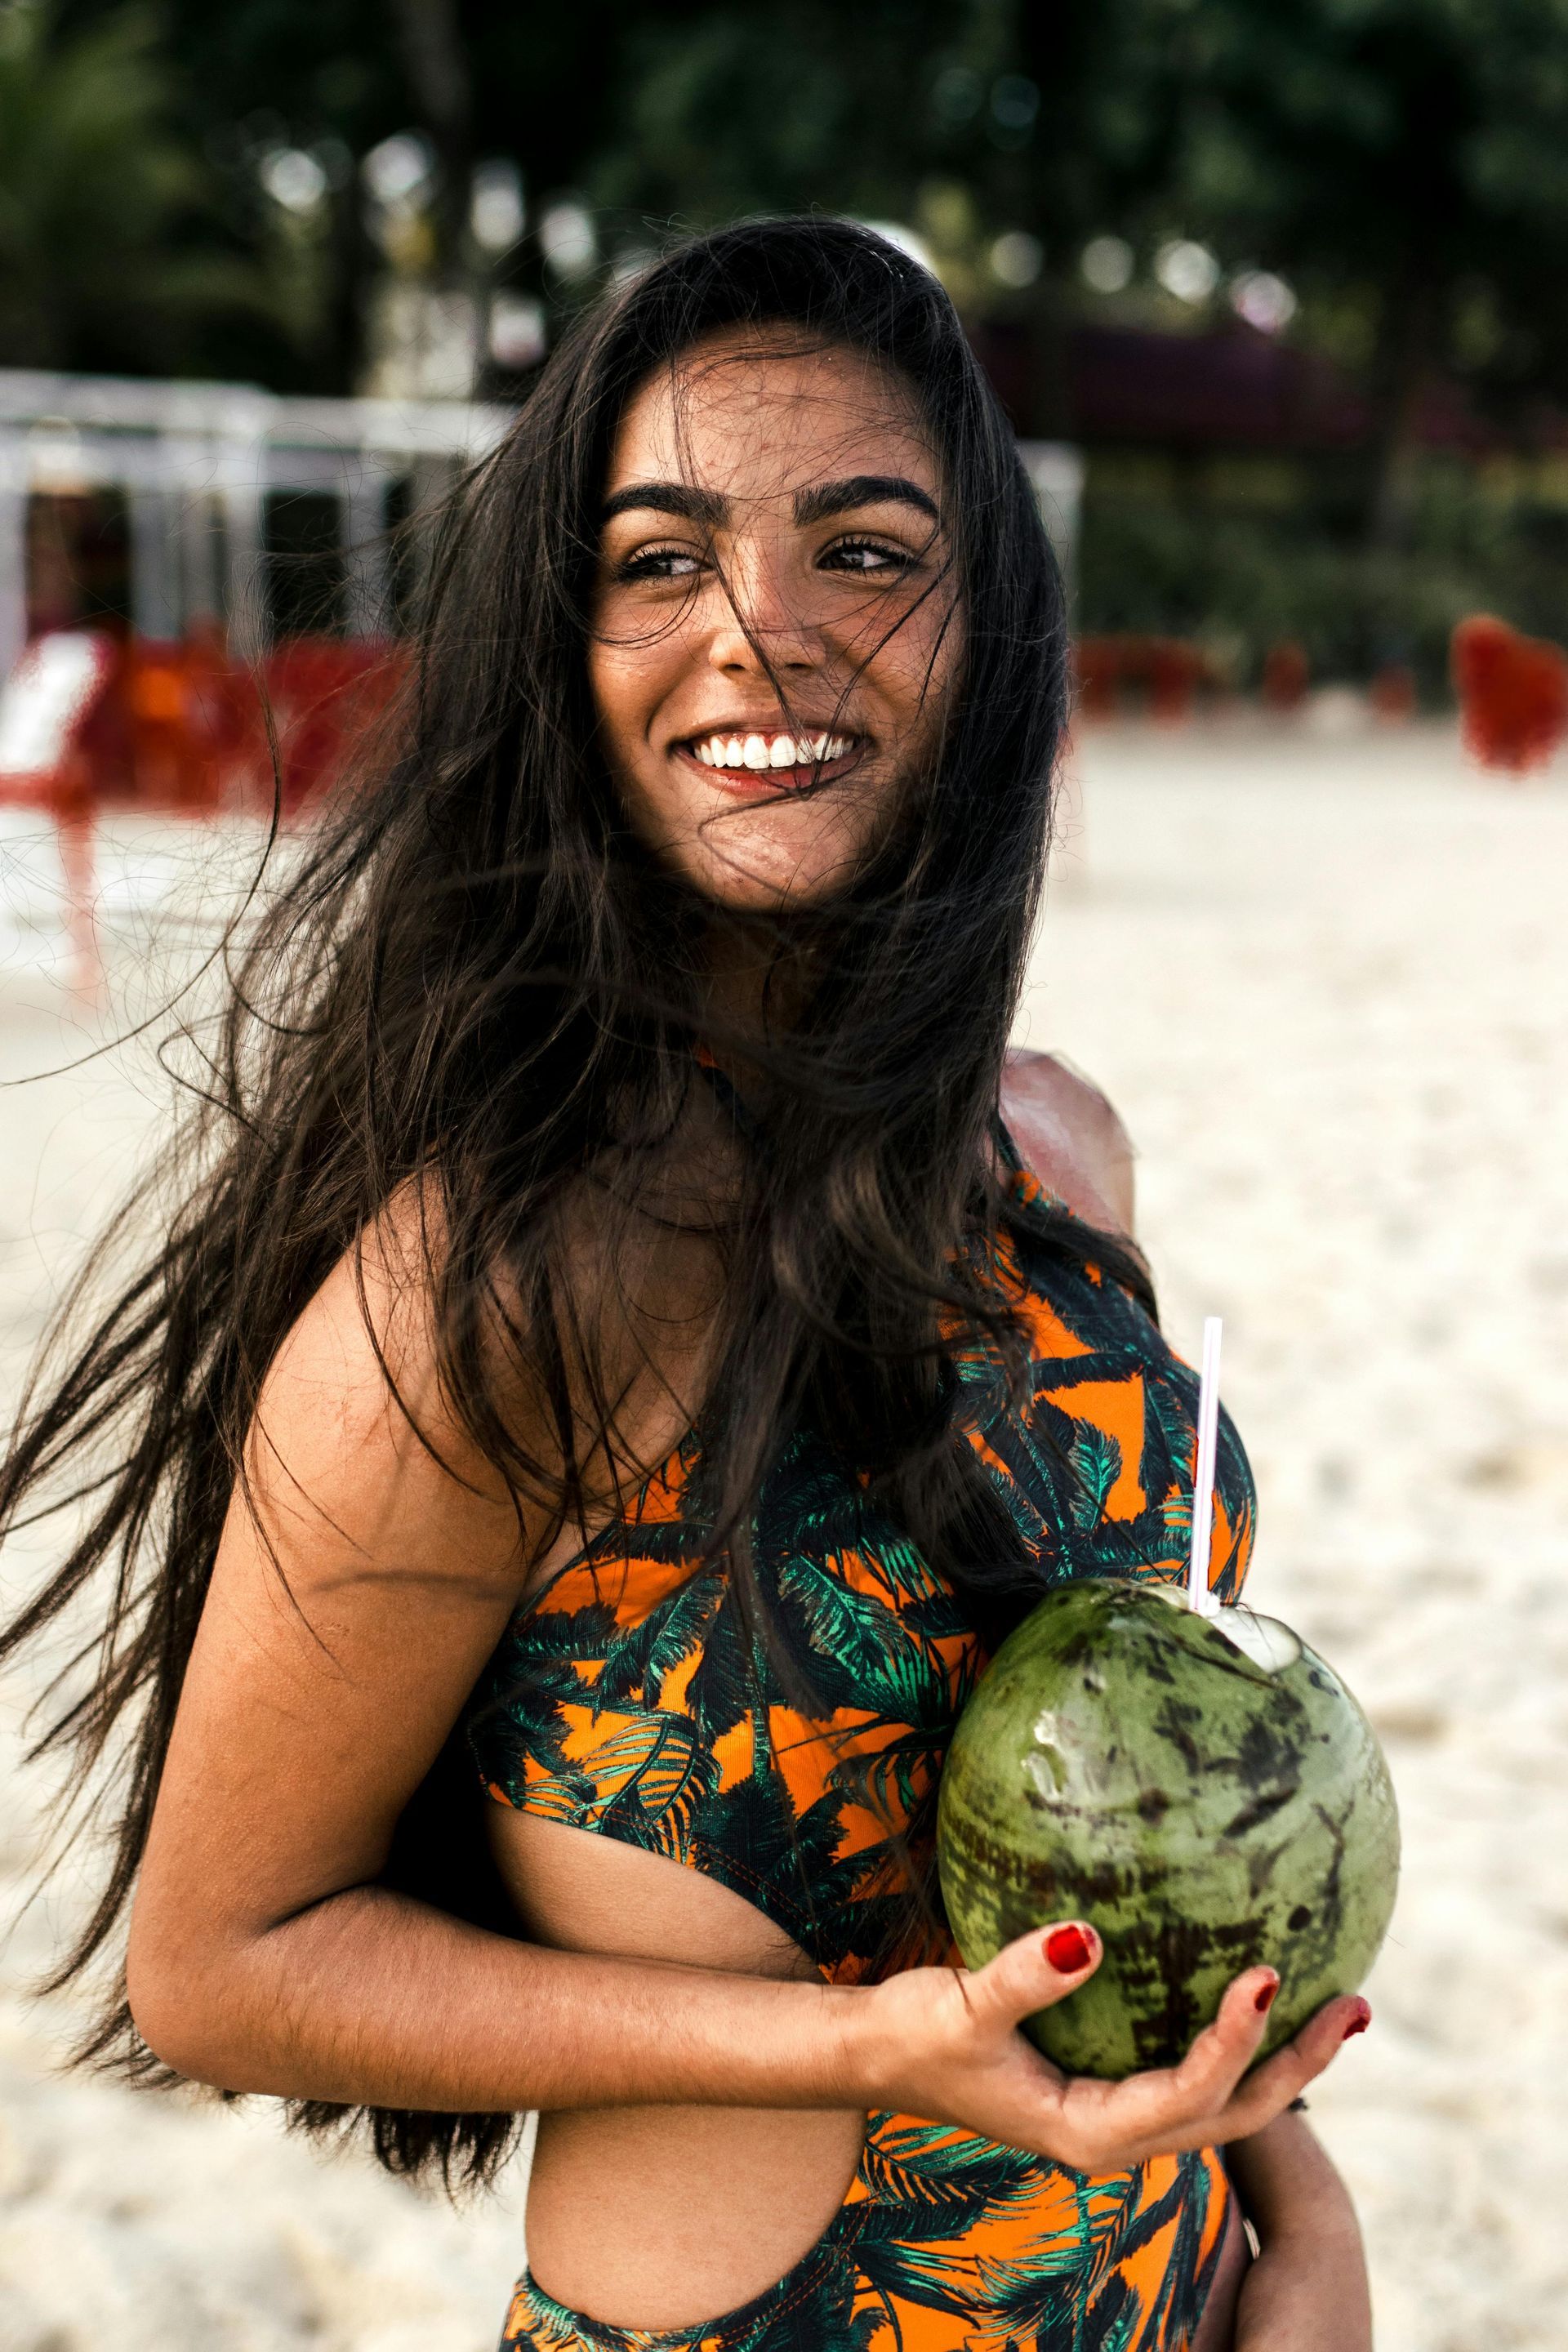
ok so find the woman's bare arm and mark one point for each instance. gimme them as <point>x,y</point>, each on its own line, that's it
<point>1070,1136</point>
<point>265,1956</point>
<point>1307,2291</point>
<point>355,1599</point>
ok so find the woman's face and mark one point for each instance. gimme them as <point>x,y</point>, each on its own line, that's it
<point>774,639</point>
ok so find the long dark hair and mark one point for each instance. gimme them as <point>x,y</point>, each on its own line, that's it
<point>470,981</point>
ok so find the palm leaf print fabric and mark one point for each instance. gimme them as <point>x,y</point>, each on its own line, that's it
<point>631,1697</point>
<point>951,2243</point>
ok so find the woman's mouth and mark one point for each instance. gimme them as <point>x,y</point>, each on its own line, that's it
<point>771,759</point>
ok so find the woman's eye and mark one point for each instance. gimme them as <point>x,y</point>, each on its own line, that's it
<point>660,563</point>
<point>867,556</point>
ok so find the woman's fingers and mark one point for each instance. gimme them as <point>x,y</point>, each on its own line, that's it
<point>1203,2081</point>
<point>1034,1972</point>
<point>1205,2101</point>
<point>1209,2097</point>
<point>1286,2075</point>
<point>1168,2108</point>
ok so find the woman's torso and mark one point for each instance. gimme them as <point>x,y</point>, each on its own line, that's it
<point>663,1795</point>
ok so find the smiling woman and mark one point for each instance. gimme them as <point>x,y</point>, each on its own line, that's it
<point>739,588</point>
<point>615,1372</point>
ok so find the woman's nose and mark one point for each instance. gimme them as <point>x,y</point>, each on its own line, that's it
<point>745,642</point>
<point>760,623</point>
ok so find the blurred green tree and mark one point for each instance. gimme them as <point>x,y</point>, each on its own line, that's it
<point>965,118</point>
<point>107,255</point>
<point>330,79</point>
<point>436,67</point>
<point>1405,164</point>
<point>728,111</point>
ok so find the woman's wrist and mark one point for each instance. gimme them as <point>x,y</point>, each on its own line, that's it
<point>860,2063</point>
<point>1288,2186</point>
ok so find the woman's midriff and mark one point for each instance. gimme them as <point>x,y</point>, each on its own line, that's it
<point>658,2217</point>
<point>662,2216</point>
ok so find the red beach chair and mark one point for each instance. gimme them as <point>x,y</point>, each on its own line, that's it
<point>1513,694</point>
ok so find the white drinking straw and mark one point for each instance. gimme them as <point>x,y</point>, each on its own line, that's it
<point>1198,1594</point>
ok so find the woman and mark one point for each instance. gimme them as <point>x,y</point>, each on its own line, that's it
<point>615,1358</point>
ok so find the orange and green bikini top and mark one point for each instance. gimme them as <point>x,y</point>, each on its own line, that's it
<point>630,1696</point>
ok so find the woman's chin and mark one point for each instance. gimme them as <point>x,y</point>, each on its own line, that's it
<point>761,890</point>
<point>764,869</point>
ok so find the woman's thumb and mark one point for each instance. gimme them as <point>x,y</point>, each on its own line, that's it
<point>1037,1970</point>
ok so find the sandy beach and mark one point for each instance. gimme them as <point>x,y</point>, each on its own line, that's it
<point>1323,977</point>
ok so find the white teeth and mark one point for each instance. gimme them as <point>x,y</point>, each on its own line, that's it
<point>770,751</point>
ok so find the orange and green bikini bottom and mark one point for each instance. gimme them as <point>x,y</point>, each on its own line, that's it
<point>946,2242</point>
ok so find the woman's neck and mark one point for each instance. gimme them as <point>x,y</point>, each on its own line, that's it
<point>756,983</point>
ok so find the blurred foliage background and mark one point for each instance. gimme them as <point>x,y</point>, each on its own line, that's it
<point>1289,271</point>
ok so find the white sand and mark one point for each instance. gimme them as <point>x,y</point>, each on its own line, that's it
<point>1328,987</point>
<point>1325,981</point>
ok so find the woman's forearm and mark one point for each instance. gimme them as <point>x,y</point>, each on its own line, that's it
<point>371,1998</point>
<point>1286,2180</point>
<point>1307,2291</point>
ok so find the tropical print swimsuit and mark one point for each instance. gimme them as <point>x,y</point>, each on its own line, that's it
<point>629,1697</point>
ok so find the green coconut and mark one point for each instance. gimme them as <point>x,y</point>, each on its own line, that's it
<point>1204,1790</point>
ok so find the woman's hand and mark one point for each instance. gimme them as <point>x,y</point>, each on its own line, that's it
<point>1307,2292</point>
<point>944,2044</point>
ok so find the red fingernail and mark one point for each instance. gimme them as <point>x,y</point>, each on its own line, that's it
<point>1067,1950</point>
<point>1264,1997</point>
<point>1361,2020</point>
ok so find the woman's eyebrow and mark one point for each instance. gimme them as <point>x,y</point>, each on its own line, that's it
<point>668,497</point>
<point>862,490</point>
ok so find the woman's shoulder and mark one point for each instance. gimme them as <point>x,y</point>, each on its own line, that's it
<point>356,1402</point>
<point>368,1329</point>
<point>1069,1133</point>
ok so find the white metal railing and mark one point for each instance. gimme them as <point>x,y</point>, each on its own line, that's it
<point>196,462</point>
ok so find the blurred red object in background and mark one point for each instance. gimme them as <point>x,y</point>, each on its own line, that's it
<point>325,695</point>
<point>91,721</point>
<point>62,729</point>
<point>1392,693</point>
<point>181,704</point>
<point>1285,674</point>
<point>1174,672</point>
<point>1513,694</point>
<point>178,726</point>
<point>62,723</point>
<point>1095,670</point>
<point>1165,676</point>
